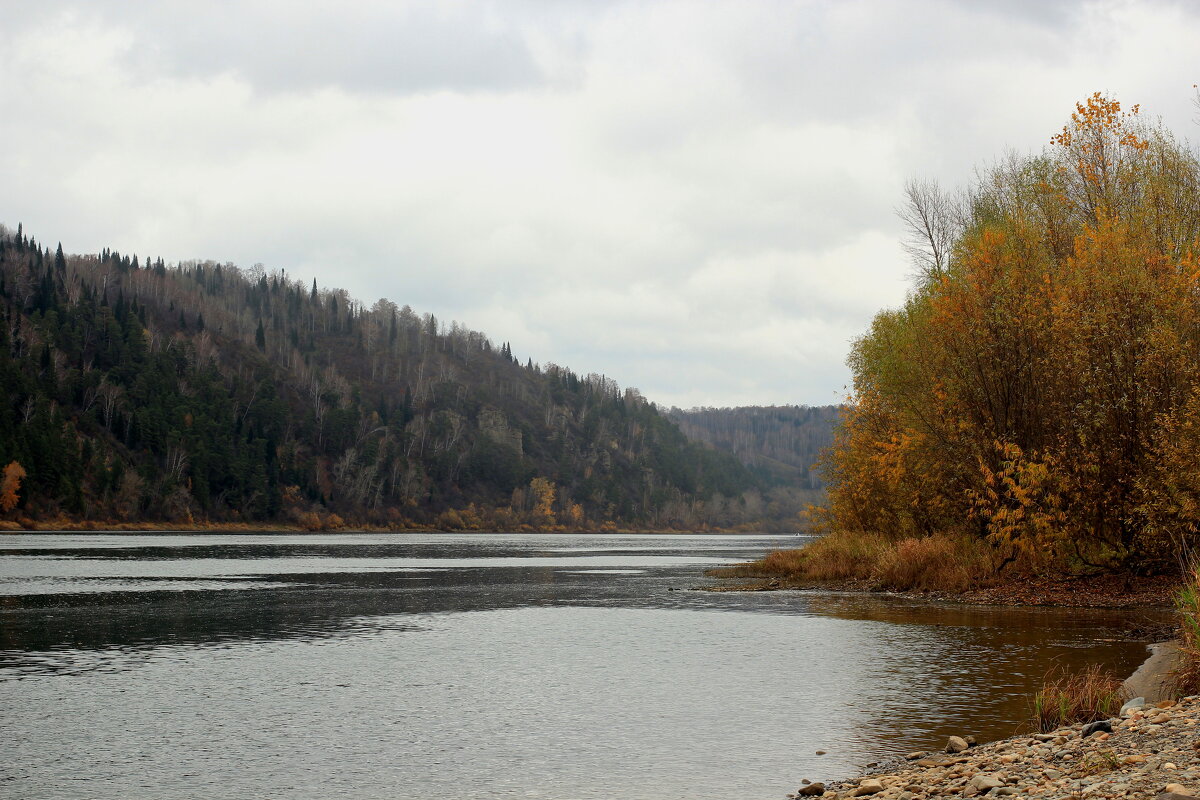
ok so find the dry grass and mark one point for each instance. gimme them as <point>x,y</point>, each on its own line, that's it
<point>935,563</point>
<point>1185,678</point>
<point>1068,698</point>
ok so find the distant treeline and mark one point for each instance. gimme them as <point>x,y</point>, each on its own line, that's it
<point>780,444</point>
<point>201,392</point>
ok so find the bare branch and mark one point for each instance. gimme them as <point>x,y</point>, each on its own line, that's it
<point>932,221</point>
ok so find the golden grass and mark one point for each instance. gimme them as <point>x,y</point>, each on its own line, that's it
<point>1185,678</point>
<point>1068,698</point>
<point>934,563</point>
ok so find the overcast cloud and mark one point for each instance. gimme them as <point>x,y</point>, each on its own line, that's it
<point>693,198</point>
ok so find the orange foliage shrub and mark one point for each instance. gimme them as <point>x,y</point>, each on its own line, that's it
<point>10,486</point>
<point>1038,390</point>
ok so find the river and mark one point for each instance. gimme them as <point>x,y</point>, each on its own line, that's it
<point>483,666</point>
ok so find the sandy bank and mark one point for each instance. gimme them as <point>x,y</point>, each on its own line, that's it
<point>1152,679</point>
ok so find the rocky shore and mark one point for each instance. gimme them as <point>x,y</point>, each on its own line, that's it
<point>1151,751</point>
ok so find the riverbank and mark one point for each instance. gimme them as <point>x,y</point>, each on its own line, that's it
<point>1099,591</point>
<point>1148,752</point>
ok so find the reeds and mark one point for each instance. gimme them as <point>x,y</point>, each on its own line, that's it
<point>934,563</point>
<point>1068,698</point>
<point>1185,677</point>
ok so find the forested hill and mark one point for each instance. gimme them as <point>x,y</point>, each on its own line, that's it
<point>203,392</point>
<point>780,444</point>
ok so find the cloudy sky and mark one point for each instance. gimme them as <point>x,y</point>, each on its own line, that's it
<point>694,198</point>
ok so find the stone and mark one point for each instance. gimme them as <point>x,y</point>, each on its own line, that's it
<point>1175,788</point>
<point>1096,727</point>
<point>956,744</point>
<point>1131,705</point>
<point>812,790</point>
<point>1052,774</point>
<point>905,795</point>
<point>983,783</point>
<point>916,755</point>
<point>1003,791</point>
<point>868,787</point>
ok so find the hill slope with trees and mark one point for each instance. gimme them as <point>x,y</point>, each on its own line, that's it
<point>199,392</point>
<point>780,444</point>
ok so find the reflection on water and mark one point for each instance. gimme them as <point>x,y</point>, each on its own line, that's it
<point>482,666</point>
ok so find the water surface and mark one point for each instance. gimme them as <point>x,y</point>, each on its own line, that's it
<point>478,666</point>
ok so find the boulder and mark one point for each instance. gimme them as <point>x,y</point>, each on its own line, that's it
<point>812,790</point>
<point>1096,727</point>
<point>982,783</point>
<point>868,787</point>
<point>956,744</point>
<point>1131,706</point>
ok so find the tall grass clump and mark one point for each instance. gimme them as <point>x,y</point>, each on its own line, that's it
<point>935,563</point>
<point>928,564</point>
<point>1185,678</point>
<point>835,557</point>
<point>1068,698</point>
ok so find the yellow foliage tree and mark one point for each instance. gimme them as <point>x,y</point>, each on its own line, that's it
<point>1036,392</point>
<point>10,486</point>
<point>543,500</point>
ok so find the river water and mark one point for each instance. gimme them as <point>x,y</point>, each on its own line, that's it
<point>483,666</point>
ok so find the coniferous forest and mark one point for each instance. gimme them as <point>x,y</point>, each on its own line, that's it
<point>201,393</point>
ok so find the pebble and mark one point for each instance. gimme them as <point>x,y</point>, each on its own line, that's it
<point>1150,752</point>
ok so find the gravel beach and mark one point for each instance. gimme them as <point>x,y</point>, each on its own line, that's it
<point>1151,751</point>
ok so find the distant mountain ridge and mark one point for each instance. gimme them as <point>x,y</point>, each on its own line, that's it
<point>203,392</point>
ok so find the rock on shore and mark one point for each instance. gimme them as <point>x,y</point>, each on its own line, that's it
<point>1152,752</point>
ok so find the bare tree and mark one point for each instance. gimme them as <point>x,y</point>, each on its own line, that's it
<point>932,221</point>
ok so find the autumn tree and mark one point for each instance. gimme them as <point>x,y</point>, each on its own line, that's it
<point>1035,388</point>
<point>10,486</point>
<point>543,500</point>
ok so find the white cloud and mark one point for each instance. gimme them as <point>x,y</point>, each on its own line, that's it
<point>695,199</point>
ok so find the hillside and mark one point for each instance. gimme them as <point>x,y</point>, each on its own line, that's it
<point>203,392</point>
<point>780,444</point>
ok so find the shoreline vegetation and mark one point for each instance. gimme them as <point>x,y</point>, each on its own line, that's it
<point>940,567</point>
